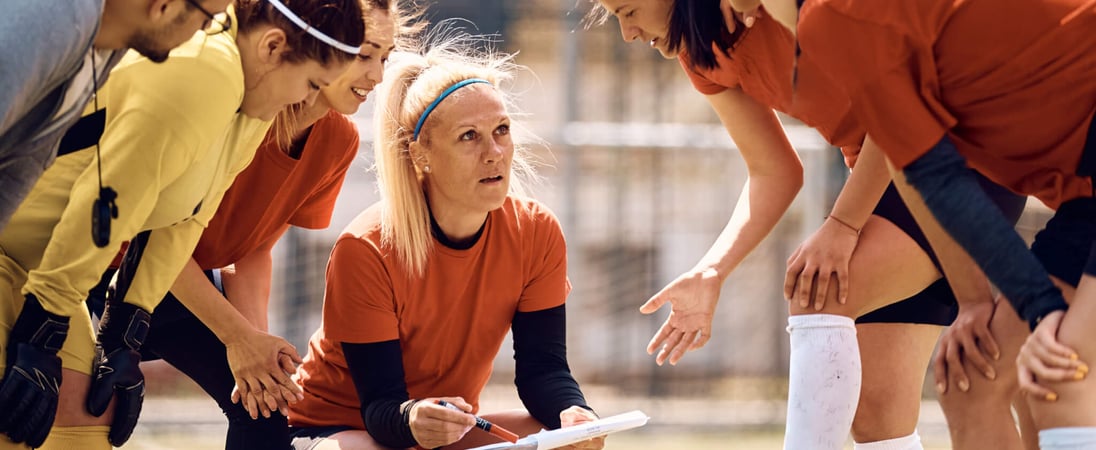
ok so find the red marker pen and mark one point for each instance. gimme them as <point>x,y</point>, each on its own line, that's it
<point>484,425</point>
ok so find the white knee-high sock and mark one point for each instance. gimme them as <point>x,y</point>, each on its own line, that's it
<point>911,442</point>
<point>823,382</point>
<point>1071,438</point>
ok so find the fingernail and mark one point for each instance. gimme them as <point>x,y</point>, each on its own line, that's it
<point>1082,368</point>
<point>991,374</point>
<point>1052,397</point>
<point>964,385</point>
<point>940,388</point>
<point>1073,357</point>
<point>1079,375</point>
<point>996,356</point>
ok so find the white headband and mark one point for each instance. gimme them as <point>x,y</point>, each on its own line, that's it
<point>314,32</point>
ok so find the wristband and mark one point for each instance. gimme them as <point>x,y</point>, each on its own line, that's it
<point>846,224</point>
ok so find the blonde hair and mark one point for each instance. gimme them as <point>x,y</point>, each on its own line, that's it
<point>412,82</point>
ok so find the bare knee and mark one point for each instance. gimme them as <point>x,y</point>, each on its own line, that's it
<point>358,439</point>
<point>71,411</point>
<point>516,420</point>
<point>830,306</point>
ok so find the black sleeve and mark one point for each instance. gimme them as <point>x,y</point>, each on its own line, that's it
<point>377,371</point>
<point>964,210</point>
<point>542,377</point>
<point>1090,266</point>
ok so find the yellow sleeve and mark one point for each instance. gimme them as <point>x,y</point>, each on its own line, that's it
<point>165,254</point>
<point>71,263</point>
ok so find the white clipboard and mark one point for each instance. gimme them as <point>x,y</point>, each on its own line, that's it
<point>547,439</point>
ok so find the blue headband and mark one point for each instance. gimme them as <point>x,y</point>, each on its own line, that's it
<point>434,104</point>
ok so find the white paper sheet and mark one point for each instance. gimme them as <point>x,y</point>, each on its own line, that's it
<point>547,439</point>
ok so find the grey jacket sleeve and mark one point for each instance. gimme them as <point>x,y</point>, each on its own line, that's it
<point>42,44</point>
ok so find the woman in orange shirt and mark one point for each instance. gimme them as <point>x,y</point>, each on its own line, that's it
<point>423,286</point>
<point>869,245</point>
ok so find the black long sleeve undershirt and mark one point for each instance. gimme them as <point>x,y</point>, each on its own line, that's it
<point>542,376</point>
<point>377,371</point>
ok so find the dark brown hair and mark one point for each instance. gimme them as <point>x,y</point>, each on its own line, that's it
<point>340,19</point>
<point>696,26</point>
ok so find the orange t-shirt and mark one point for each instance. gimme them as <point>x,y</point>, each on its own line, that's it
<point>450,323</point>
<point>276,190</point>
<point>1010,81</point>
<point>760,64</point>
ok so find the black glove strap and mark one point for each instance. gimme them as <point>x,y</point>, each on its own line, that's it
<point>134,320</point>
<point>39,327</point>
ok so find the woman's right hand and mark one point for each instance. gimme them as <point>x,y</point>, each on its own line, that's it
<point>967,339</point>
<point>692,297</point>
<point>825,254</point>
<point>262,363</point>
<point>435,426</point>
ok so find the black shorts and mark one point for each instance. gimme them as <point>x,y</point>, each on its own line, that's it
<point>307,438</point>
<point>1066,246</point>
<point>936,304</point>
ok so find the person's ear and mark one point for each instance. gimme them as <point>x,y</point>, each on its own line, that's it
<point>273,45</point>
<point>157,10</point>
<point>418,157</point>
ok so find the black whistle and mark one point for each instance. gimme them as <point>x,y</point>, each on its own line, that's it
<point>102,212</point>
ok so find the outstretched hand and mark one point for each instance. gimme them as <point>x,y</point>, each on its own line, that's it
<point>1043,358</point>
<point>820,258</point>
<point>967,339</point>
<point>692,297</point>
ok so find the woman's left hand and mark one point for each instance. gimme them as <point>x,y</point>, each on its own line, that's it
<point>1043,358</point>
<point>574,416</point>
<point>823,256</point>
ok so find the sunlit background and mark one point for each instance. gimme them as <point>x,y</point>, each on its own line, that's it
<point>643,178</point>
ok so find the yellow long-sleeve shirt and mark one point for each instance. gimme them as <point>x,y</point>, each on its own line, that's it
<point>172,145</point>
